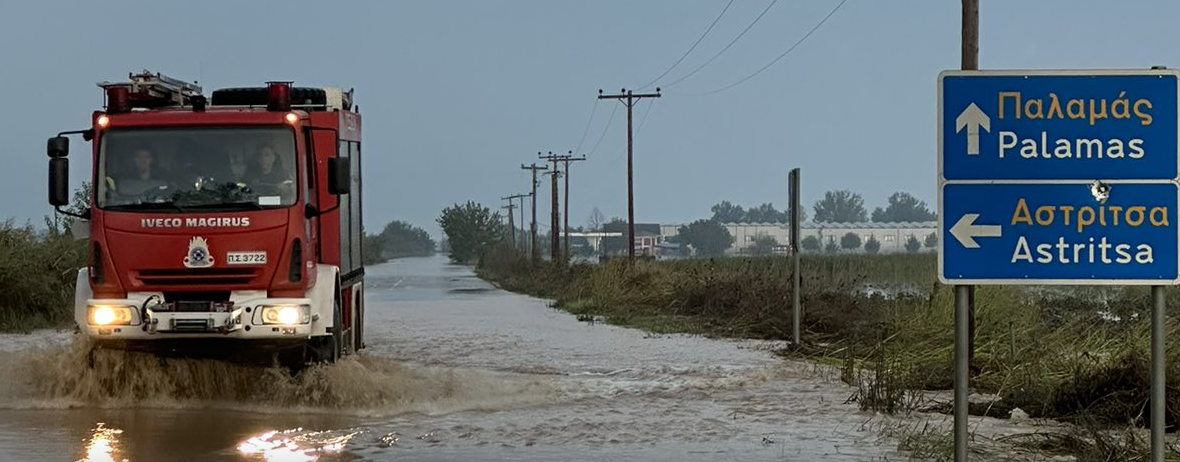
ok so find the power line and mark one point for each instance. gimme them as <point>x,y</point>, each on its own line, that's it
<point>719,53</point>
<point>587,129</point>
<point>604,129</point>
<point>693,47</point>
<point>785,53</point>
<point>644,118</point>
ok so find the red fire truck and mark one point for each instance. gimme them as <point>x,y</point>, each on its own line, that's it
<point>226,227</point>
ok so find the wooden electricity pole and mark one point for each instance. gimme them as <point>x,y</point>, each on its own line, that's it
<point>536,252</point>
<point>629,99</point>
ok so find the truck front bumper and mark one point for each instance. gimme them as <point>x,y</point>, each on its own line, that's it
<point>252,317</point>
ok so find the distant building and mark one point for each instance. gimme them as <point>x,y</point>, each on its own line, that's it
<point>892,236</point>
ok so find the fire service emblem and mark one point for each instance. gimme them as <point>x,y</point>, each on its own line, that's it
<point>198,254</point>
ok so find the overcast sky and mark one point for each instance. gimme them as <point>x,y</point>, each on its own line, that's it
<point>455,95</point>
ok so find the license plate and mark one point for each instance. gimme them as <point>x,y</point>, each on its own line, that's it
<point>245,258</point>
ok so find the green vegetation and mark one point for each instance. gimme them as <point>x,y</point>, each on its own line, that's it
<point>842,206</point>
<point>470,229</point>
<point>398,239</point>
<point>38,268</point>
<point>1077,354</point>
<point>903,207</point>
<point>706,237</point>
<point>727,212</point>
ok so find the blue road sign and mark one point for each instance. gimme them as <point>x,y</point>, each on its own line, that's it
<point>1059,177</point>
<point>1039,125</point>
<point>1059,234</point>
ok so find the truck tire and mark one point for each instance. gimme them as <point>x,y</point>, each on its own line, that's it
<point>358,319</point>
<point>337,338</point>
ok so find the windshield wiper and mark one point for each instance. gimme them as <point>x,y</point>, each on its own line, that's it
<point>210,205</point>
<point>148,206</point>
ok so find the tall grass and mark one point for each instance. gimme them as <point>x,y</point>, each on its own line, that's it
<point>38,268</point>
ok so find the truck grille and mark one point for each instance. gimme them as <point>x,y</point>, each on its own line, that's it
<point>196,277</point>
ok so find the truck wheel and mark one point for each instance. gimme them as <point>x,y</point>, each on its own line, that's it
<point>358,320</point>
<point>337,339</point>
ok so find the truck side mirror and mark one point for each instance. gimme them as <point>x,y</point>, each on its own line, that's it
<point>339,176</point>
<point>58,146</point>
<point>59,181</point>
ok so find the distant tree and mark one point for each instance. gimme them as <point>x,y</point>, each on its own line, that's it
<point>401,239</point>
<point>850,241</point>
<point>840,207</point>
<point>614,244</point>
<point>810,243</point>
<point>872,245</point>
<point>374,249</point>
<point>594,223</point>
<point>912,245</point>
<point>725,212</point>
<point>903,207</point>
<point>765,213</point>
<point>708,237</point>
<point>931,240</point>
<point>763,244</point>
<point>470,229</point>
<point>831,246</point>
<point>802,215</point>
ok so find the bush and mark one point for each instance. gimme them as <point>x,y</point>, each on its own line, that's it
<point>38,269</point>
<point>912,245</point>
<point>872,245</point>
<point>850,241</point>
<point>810,243</point>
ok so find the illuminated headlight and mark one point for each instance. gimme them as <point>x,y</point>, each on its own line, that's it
<point>286,314</point>
<point>108,315</point>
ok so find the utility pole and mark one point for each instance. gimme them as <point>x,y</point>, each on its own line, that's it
<point>554,211</point>
<point>565,226</point>
<point>536,252</point>
<point>629,99</point>
<point>554,243</point>
<point>522,237</point>
<point>964,295</point>
<point>512,205</point>
<point>511,225</point>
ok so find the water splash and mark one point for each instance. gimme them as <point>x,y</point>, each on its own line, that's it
<point>73,376</point>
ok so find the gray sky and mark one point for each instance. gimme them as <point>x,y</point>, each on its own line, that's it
<point>455,95</point>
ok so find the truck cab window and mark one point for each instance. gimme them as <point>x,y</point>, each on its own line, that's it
<point>207,168</point>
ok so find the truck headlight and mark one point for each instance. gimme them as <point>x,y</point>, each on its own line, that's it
<point>286,314</point>
<point>108,315</point>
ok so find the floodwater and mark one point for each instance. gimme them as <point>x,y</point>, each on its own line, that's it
<point>454,370</point>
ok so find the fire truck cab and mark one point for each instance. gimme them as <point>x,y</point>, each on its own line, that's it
<point>225,227</point>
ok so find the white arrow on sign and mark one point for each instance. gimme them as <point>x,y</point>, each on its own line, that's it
<point>965,230</point>
<point>973,118</point>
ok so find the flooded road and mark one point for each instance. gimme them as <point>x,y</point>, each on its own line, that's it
<point>454,370</point>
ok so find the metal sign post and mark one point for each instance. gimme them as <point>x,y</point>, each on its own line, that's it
<point>1059,177</point>
<point>796,276</point>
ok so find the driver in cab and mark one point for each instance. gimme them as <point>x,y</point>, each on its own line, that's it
<point>144,177</point>
<point>267,175</point>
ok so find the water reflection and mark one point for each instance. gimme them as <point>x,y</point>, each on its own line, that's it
<point>103,445</point>
<point>294,445</point>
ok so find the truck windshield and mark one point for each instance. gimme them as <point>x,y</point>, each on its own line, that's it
<point>177,169</point>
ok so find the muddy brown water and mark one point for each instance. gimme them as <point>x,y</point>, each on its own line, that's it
<point>454,370</point>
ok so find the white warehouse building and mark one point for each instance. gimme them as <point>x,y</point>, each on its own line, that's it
<point>892,236</point>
